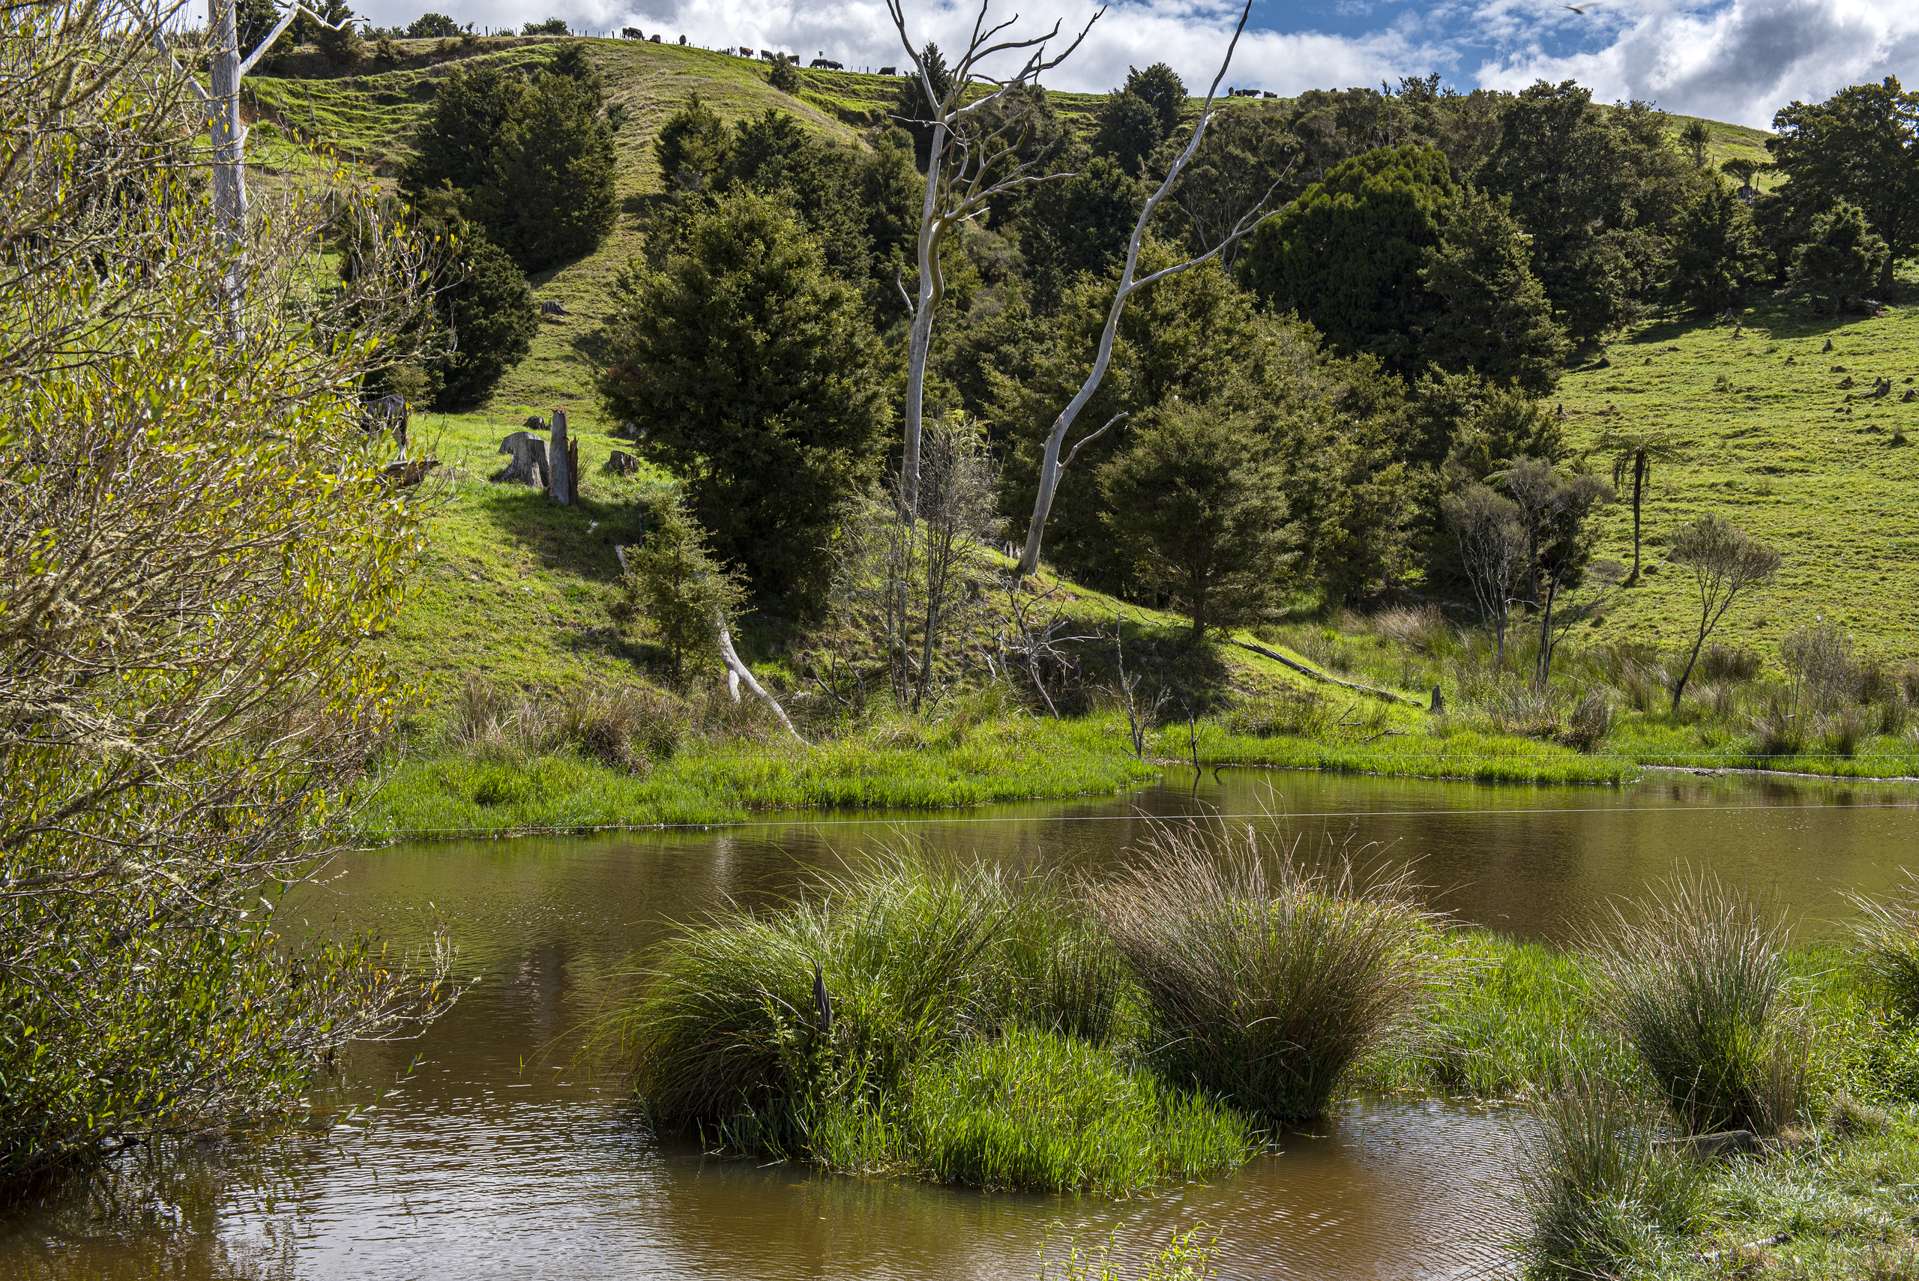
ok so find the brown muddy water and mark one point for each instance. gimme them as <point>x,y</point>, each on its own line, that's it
<point>487,1149</point>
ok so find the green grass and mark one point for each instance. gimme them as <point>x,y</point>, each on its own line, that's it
<point>1766,449</point>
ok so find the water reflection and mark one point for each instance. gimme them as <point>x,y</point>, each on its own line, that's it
<point>499,1154</point>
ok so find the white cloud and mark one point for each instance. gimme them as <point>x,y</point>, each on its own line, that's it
<point>1737,60</point>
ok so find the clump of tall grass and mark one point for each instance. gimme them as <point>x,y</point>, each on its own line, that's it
<point>1265,981</point>
<point>1187,1256</point>
<point>1589,720</point>
<point>1888,937</point>
<point>1039,1111</point>
<point>729,1040</point>
<point>1697,984</point>
<point>1599,1187</point>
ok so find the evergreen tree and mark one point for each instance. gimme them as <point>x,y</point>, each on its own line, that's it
<point>1346,255</point>
<point>1860,147</point>
<point>674,583</point>
<point>1079,225</point>
<point>1126,131</point>
<point>1160,87</point>
<point>1198,512</point>
<point>911,107</point>
<point>457,144</point>
<point>489,316</point>
<point>1493,314</point>
<point>551,197</point>
<point>432,26</point>
<point>1716,252</point>
<point>1696,137</point>
<point>1841,259</point>
<point>747,370</point>
<point>692,148</point>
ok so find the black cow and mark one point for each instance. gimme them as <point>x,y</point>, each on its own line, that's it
<point>826,64</point>
<point>632,33</point>
<point>889,71</point>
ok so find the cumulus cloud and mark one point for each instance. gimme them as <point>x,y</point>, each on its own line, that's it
<point>1188,34</point>
<point>1740,60</point>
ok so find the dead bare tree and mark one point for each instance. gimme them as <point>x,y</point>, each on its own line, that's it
<point>1056,458</point>
<point>973,160</point>
<point>226,69</point>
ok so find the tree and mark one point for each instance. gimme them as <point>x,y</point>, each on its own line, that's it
<point>1079,225</point>
<point>1859,147</point>
<point>196,550</point>
<point>1697,137</point>
<point>1633,452</point>
<point>922,97</point>
<point>551,198</point>
<point>672,581</point>
<point>1725,563</point>
<point>460,138</point>
<point>692,148</point>
<point>1199,512</point>
<point>432,26</point>
<point>1716,252</point>
<point>1347,254</point>
<point>1160,88</point>
<point>1840,260</point>
<point>1492,551</point>
<point>330,28</point>
<point>1494,317</point>
<point>545,27</point>
<point>488,314</point>
<point>1126,131</point>
<point>1555,517</point>
<point>784,74</point>
<point>746,369</point>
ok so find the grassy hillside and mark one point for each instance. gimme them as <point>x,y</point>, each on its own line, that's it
<point>1774,443</point>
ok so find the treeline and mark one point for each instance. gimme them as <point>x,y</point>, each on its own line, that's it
<point>1294,415</point>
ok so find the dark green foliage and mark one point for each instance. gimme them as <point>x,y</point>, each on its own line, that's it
<point>1493,314</point>
<point>743,367</point>
<point>1197,509</point>
<point>489,317</point>
<point>1079,225</point>
<point>545,27</point>
<point>461,135</point>
<point>673,584</point>
<point>1160,88</point>
<point>340,42</point>
<point>551,197</point>
<point>254,19</point>
<point>1840,260</point>
<point>1346,255</point>
<point>532,158</point>
<point>1696,138</point>
<point>1716,252</point>
<point>1860,147</point>
<point>692,148</point>
<point>1245,157</point>
<point>432,26</point>
<point>913,108</point>
<point>1595,190</point>
<point>784,74</point>
<point>1127,132</point>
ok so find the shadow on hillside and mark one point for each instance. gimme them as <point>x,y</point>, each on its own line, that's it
<point>576,540</point>
<point>1779,319</point>
<point>1163,658</point>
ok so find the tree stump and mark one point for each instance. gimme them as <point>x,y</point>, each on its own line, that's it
<point>528,460</point>
<point>621,463</point>
<point>563,464</point>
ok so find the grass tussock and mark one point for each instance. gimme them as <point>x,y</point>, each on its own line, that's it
<point>1263,981</point>
<point>1888,942</point>
<point>1698,984</point>
<point>1600,1189</point>
<point>963,1035</point>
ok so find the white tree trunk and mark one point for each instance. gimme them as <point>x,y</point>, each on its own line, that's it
<point>229,136</point>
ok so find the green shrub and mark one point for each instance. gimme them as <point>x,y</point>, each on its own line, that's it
<point>1263,981</point>
<point>1698,985</point>
<point>1888,938</point>
<point>674,583</point>
<point>1598,1187</point>
<point>1040,1111</point>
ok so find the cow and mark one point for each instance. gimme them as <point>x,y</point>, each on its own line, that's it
<point>654,38</point>
<point>889,71</point>
<point>632,33</point>
<point>767,55</point>
<point>745,52</point>
<point>1269,94</point>
<point>826,64</point>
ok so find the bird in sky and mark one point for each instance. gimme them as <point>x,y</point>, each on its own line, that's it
<point>1576,9</point>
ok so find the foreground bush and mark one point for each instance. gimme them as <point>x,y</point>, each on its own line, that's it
<point>1598,1187</point>
<point>1698,985</point>
<point>1889,946</point>
<point>196,548</point>
<point>1264,981</point>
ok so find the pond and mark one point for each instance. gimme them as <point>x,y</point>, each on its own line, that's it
<point>487,1148</point>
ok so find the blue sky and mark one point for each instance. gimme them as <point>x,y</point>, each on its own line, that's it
<point>1734,60</point>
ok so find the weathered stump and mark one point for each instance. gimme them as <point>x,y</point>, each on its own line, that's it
<point>528,460</point>
<point>563,464</point>
<point>621,463</point>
